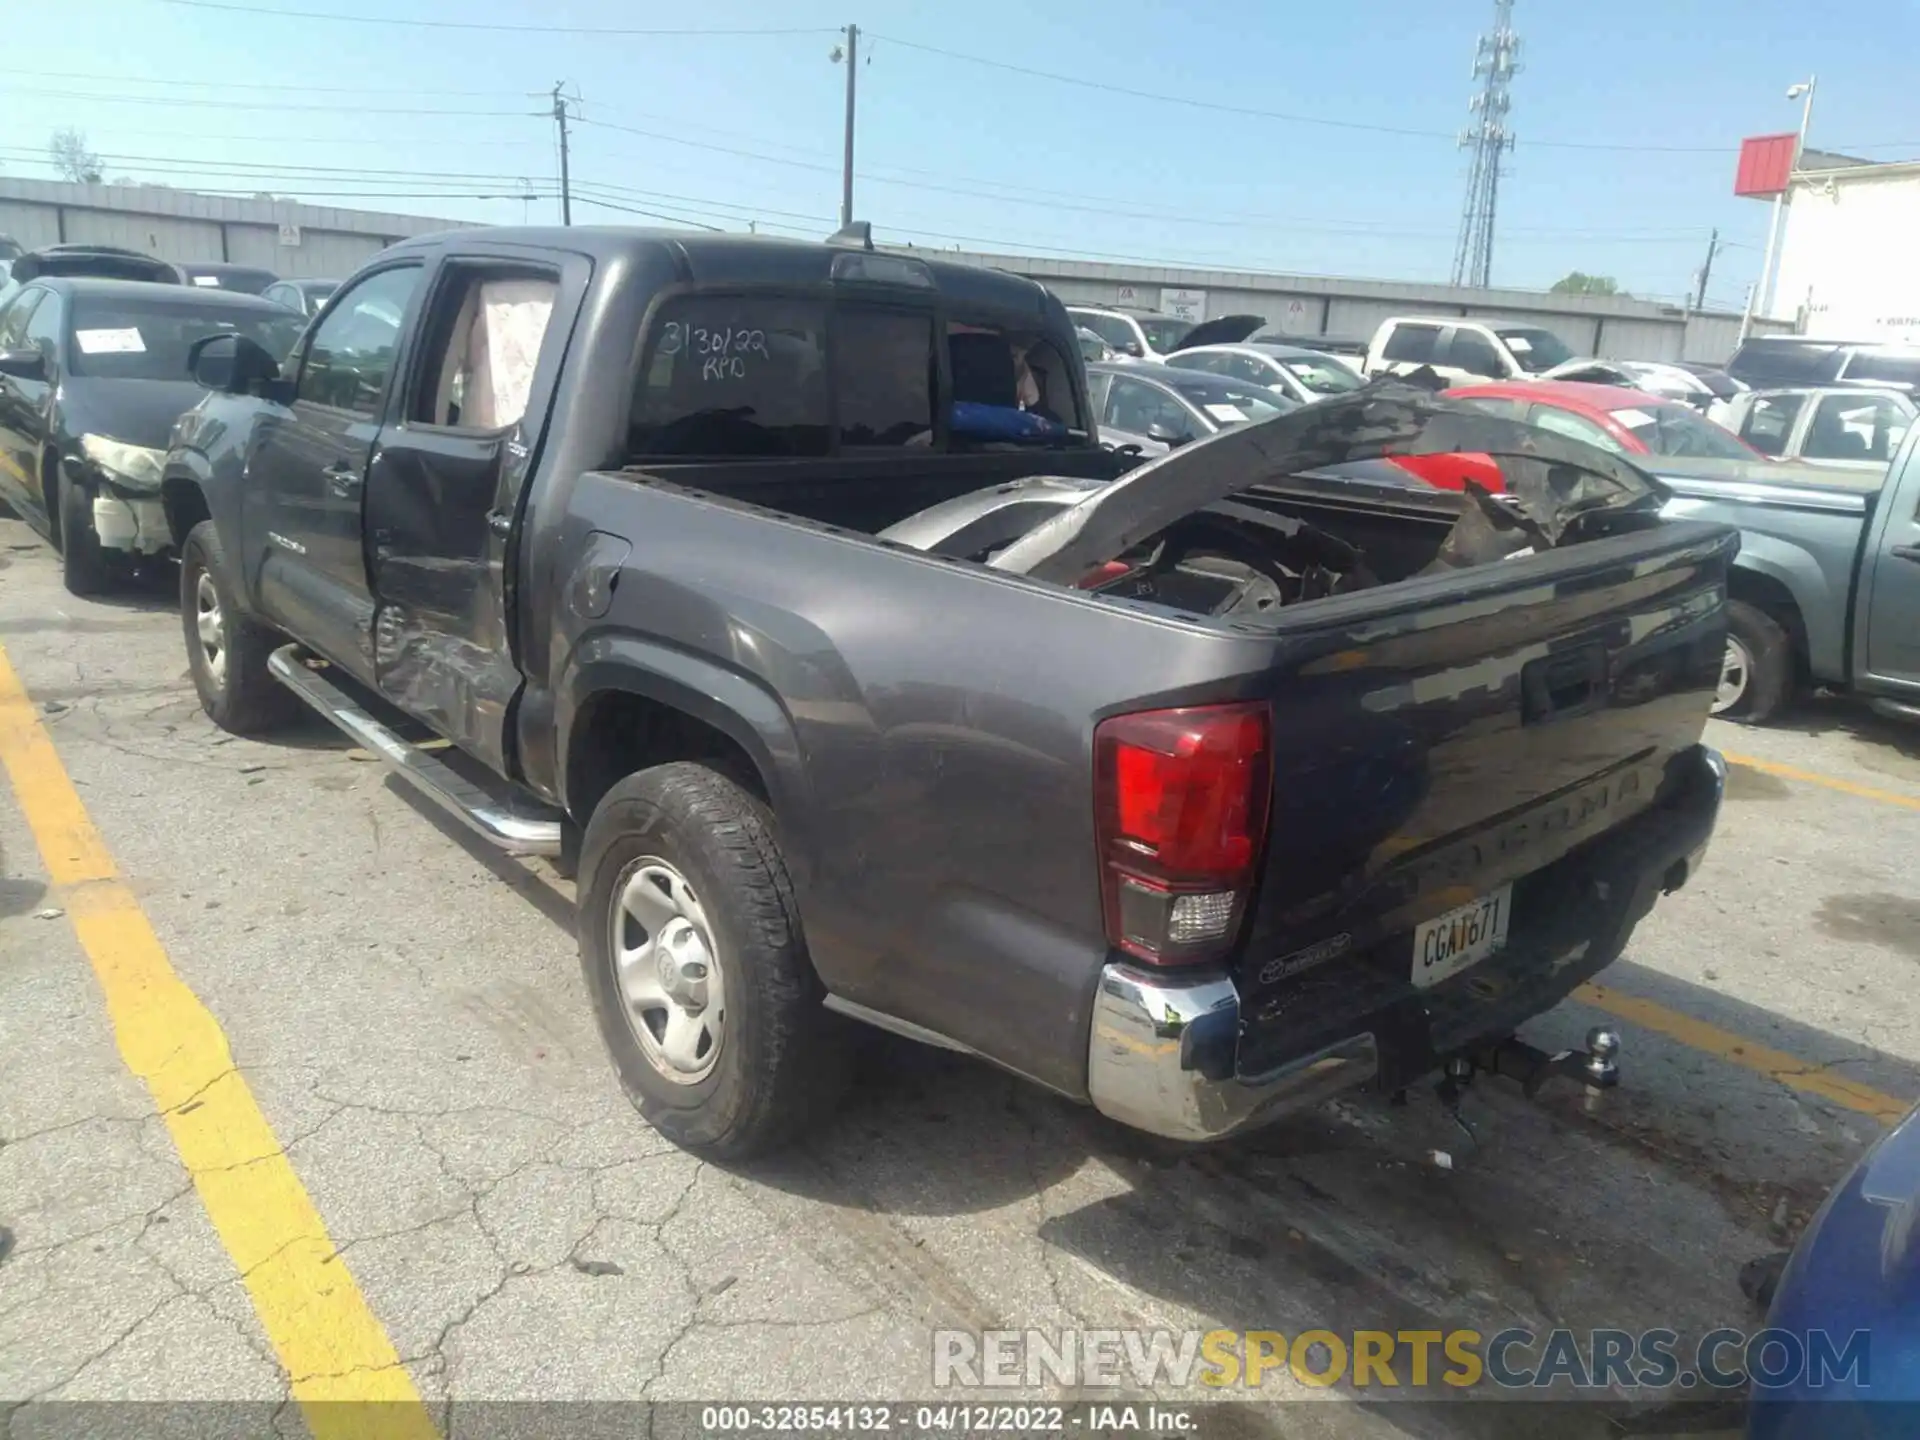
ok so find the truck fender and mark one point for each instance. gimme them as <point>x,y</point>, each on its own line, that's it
<point>190,491</point>
<point>1818,614</point>
<point>738,706</point>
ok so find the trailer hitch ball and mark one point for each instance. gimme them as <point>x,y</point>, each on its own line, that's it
<point>1603,1057</point>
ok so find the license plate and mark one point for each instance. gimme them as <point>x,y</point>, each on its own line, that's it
<point>1449,943</point>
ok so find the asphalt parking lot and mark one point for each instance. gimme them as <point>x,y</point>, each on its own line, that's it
<point>394,1163</point>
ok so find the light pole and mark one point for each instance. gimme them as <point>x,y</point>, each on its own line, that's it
<point>1760,298</point>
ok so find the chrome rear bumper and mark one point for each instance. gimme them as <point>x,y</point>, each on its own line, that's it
<point>1162,1058</point>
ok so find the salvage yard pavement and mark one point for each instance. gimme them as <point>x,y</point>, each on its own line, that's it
<point>301,1098</point>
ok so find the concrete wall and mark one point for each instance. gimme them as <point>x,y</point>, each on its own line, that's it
<point>1613,327</point>
<point>184,225</point>
<point>1848,267</point>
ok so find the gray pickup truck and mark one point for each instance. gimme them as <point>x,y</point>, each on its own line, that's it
<point>783,590</point>
<point>1826,588</point>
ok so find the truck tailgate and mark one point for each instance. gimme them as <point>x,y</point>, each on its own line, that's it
<point>1436,752</point>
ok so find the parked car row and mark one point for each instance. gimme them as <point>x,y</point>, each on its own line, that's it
<point>95,367</point>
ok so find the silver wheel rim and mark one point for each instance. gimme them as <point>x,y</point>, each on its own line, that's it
<point>207,623</point>
<point>1736,671</point>
<point>668,971</point>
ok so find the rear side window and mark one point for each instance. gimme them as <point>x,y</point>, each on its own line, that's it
<point>1769,423</point>
<point>1474,353</point>
<point>1785,362</point>
<point>1878,365</point>
<point>1412,343</point>
<point>734,375</point>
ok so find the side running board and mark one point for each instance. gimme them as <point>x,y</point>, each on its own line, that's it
<point>519,827</point>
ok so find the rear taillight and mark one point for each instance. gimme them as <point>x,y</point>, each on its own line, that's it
<point>1180,812</point>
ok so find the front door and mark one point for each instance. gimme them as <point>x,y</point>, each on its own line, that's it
<point>1889,630</point>
<point>444,489</point>
<point>308,469</point>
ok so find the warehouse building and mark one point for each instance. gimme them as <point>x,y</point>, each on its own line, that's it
<point>1846,267</point>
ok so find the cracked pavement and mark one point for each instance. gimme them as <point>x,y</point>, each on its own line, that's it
<point>408,1012</point>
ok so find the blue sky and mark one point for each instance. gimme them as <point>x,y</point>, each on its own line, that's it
<point>1628,115</point>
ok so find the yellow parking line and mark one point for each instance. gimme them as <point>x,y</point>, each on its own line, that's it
<point>333,1348</point>
<point>1789,1070</point>
<point>1845,787</point>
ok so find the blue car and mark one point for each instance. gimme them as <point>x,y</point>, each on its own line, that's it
<point>1853,1281</point>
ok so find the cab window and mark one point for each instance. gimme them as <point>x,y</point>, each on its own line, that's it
<point>1411,344</point>
<point>1768,427</point>
<point>352,353</point>
<point>734,375</point>
<point>1474,353</point>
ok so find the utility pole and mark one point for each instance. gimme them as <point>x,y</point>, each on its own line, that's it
<point>1495,62</point>
<point>1706,269</point>
<point>846,174</point>
<point>566,185</point>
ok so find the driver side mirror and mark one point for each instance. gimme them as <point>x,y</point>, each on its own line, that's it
<point>1166,434</point>
<point>25,364</point>
<point>230,364</point>
<point>1132,347</point>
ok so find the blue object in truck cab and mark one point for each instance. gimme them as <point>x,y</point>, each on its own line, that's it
<point>1856,1269</point>
<point>1002,422</point>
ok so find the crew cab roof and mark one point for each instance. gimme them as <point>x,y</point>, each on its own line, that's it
<point>719,260</point>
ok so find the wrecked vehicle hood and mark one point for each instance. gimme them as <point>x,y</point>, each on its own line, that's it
<point>1551,480</point>
<point>1227,330</point>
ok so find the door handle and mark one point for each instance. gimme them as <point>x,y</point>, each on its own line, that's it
<point>1906,552</point>
<point>342,479</point>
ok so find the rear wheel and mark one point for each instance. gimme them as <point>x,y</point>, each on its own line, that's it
<point>700,978</point>
<point>1757,671</point>
<point>85,565</point>
<point>227,649</point>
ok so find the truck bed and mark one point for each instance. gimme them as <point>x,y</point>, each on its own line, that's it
<point>927,726</point>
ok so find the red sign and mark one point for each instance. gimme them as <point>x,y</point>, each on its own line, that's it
<point>1765,163</point>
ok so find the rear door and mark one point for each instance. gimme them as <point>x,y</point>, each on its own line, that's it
<point>1471,356</point>
<point>1409,345</point>
<point>1887,640</point>
<point>1769,421</point>
<point>307,464</point>
<point>446,482</point>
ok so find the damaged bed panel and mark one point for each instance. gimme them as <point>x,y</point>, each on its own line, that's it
<point>1554,480</point>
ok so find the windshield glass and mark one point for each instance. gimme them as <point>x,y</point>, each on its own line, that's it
<point>146,339</point>
<point>1323,377</point>
<point>1230,402</point>
<point>1165,332</point>
<point>1535,349</point>
<point>1680,431</point>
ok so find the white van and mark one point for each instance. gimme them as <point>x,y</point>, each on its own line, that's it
<point>1463,352</point>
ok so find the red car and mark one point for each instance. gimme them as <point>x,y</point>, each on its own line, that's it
<point>1610,416</point>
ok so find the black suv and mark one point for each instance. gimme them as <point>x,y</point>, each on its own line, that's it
<point>1797,360</point>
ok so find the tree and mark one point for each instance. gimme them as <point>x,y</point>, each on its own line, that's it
<point>1578,282</point>
<point>72,160</point>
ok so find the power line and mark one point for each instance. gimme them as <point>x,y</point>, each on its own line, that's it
<point>1259,114</point>
<point>541,29</point>
<point>1104,206</point>
<point>242,104</point>
<point>213,84</point>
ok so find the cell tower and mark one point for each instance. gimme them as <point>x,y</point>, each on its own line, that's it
<point>1496,59</point>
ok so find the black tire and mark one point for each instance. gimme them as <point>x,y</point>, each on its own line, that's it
<point>1766,649</point>
<point>84,563</point>
<point>243,697</point>
<point>783,1058</point>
